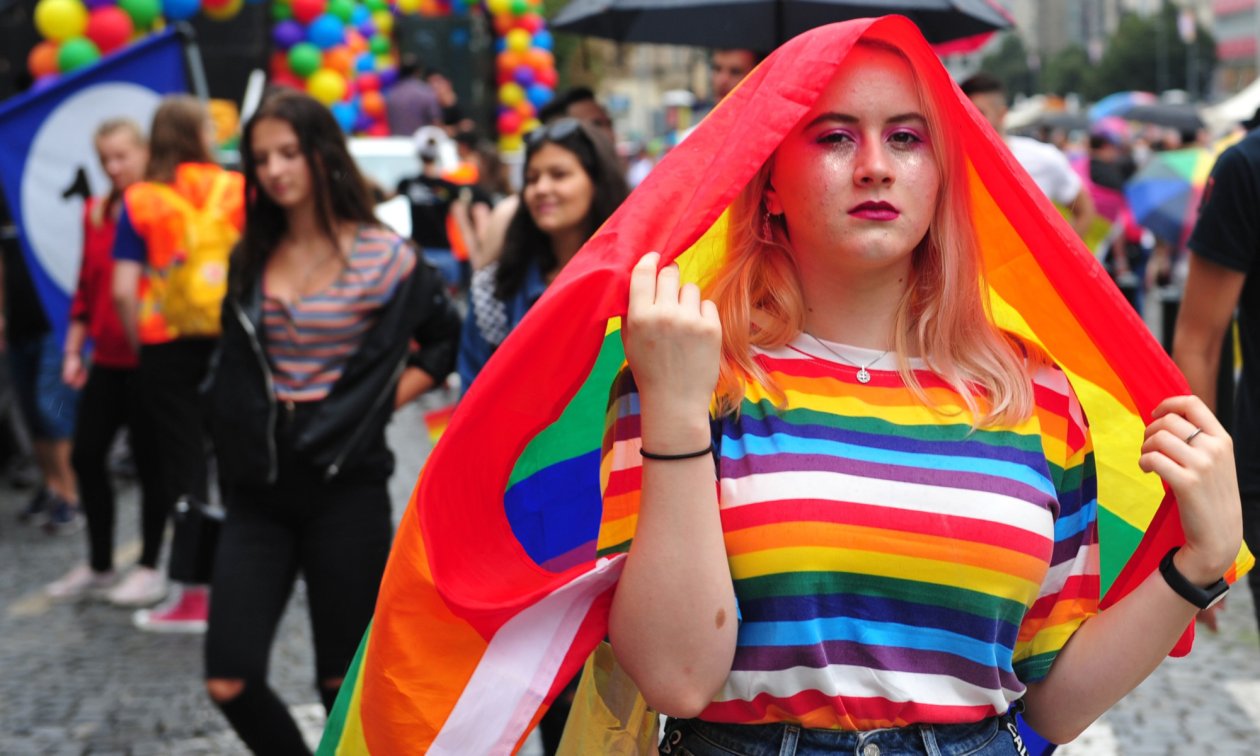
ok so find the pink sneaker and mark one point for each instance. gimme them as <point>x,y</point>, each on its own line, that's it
<point>185,613</point>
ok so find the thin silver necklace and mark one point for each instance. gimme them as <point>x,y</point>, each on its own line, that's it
<point>863,375</point>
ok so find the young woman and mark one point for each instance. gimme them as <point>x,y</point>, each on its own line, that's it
<point>573,182</point>
<point>898,483</point>
<point>170,264</point>
<point>322,307</point>
<point>106,376</point>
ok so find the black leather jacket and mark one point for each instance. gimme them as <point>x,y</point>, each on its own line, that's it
<point>331,436</point>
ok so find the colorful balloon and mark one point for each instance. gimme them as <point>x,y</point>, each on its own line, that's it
<point>109,28</point>
<point>518,40</point>
<point>327,86</point>
<point>307,11</point>
<point>223,12</point>
<point>531,22</point>
<point>511,94</point>
<point>342,9</point>
<point>61,20</point>
<point>509,122</point>
<point>43,59</point>
<point>346,114</point>
<point>546,77</point>
<point>287,33</point>
<point>510,143</point>
<point>305,59</point>
<point>539,96</point>
<point>339,59</point>
<point>380,45</point>
<point>373,104</point>
<point>143,12</point>
<point>326,32</point>
<point>281,11</point>
<point>368,82</point>
<point>180,10</point>
<point>543,40</point>
<point>383,21</point>
<point>523,75</point>
<point>77,53</point>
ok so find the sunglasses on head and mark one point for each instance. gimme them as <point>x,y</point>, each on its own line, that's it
<point>556,131</point>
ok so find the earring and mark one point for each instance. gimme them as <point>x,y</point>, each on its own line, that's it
<point>767,227</point>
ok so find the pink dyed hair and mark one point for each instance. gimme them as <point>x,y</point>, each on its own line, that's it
<point>943,316</point>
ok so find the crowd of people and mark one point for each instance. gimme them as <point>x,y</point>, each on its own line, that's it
<point>255,331</point>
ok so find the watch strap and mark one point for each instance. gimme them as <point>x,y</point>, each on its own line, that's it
<point>1202,598</point>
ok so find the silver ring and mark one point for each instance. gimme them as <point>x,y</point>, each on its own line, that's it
<point>1190,438</point>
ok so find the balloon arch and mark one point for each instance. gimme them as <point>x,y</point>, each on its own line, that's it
<point>340,51</point>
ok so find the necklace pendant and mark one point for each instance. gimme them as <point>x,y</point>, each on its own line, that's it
<point>863,376</point>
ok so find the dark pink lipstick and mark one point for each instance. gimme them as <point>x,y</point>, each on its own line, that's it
<point>876,211</point>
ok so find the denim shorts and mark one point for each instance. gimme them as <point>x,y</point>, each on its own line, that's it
<point>48,405</point>
<point>995,736</point>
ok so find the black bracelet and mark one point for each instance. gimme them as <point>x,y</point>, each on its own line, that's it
<point>671,457</point>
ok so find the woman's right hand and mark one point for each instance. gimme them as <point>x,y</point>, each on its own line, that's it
<point>672,339</point>
<point>73,371</point>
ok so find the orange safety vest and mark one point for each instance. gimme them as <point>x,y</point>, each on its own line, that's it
<point>189,228</point>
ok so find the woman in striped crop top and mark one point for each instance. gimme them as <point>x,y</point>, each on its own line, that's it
<point>900,545</point>
<point>323,306</point>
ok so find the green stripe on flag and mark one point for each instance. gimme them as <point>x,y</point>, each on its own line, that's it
<point>580,428</point>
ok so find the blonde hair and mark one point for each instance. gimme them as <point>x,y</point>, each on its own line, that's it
<point>110,126</point>
<point>943,316</point>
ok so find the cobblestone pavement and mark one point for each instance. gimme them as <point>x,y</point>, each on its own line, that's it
<point>78,679</point>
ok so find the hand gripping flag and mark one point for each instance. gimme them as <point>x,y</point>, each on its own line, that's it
<point>493,596</point>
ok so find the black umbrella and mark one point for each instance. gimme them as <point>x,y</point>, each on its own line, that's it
<point>1182,117</point>
<point>762,24</point>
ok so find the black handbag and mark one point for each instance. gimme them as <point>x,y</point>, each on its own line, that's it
<point>197,527</point>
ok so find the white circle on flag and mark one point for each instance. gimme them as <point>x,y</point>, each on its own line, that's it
<point>51,223</point>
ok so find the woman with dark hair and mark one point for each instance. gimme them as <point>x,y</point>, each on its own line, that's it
<point>322,307</point>
<point>573,183</point>
<point>171,249</point>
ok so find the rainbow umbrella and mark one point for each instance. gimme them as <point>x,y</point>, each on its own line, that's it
<point>1164,195</point>
<point>1119,103</point>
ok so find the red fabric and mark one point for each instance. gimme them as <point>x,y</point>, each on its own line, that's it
<point>93,301</point>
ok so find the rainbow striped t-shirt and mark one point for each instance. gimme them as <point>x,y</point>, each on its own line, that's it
<point>310,340</point>
<point>891,565</point>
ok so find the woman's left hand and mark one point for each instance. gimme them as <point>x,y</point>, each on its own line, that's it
<point>1188,448</point>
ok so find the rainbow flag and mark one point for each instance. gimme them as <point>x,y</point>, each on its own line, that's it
<point>494,597</point>
<point>435,421</point>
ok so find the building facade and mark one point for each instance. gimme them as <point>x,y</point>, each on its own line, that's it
<point>1236,24</point>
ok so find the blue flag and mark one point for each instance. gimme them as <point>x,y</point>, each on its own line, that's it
<point>48,166</point>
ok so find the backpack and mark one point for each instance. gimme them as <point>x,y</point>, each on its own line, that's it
<point>190,291</point>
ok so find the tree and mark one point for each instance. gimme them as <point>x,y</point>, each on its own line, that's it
<point>1009,63</point>
<point>1147,53</point>
<point>1067,72</point>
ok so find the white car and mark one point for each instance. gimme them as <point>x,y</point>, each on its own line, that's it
<point>385,160</point>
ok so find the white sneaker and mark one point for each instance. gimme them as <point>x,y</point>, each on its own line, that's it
<point>79,582</point>
<point>143,586</point>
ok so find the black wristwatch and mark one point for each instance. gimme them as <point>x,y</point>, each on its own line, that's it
<point>1203,598</point>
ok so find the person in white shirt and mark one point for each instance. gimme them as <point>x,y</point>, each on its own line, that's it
<point>1049,167</point>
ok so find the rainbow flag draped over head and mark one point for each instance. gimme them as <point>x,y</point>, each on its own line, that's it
<point>494,597</point>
